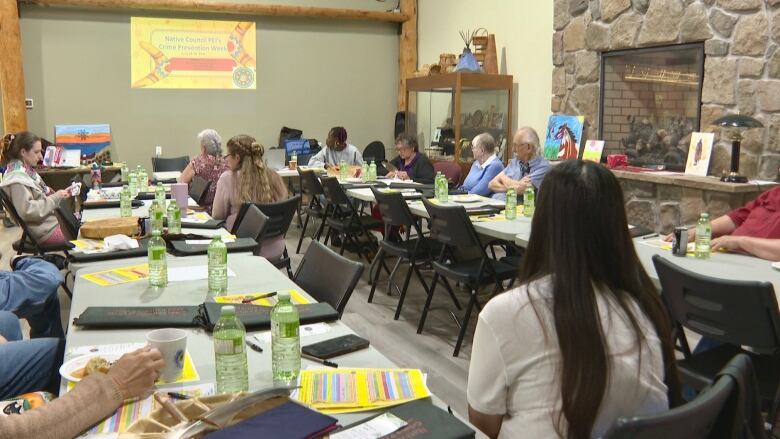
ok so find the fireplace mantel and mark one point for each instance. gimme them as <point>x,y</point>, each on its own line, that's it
<point>662,201</point>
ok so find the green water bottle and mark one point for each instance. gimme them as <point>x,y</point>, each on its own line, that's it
<point>364,175</point>
<point>442,188</point>
<point>510,211</point>
<point>529,200</point>
<point>125,172</point>
<point>133,183</point>
<point>174,217</point>
<point>158,267</point>
<point>372,171</point>
<point>703,235</point>
<point>159,194</point>
<point>230,352</point>
<point>156,215</point>
<point>217,256</point>
<point>343,170</point>
<point>285,340</point>
<point>125,202</point>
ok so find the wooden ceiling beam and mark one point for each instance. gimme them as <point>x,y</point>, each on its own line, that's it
<point>207,6</point>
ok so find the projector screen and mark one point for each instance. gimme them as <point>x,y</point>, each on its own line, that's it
<point>205,54</point>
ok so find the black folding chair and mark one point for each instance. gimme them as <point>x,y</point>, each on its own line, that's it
<point>27,243</point>
<point>713,414</point>
<point>311,186</point>
<point>734,313</point>
<point>198,189</point>
<point>160,164</point>
<point>374,152</point>
<point>252,225</point>
<point>327,276</point>
<point>280,216</point>
<point>345,219</point>
<point>462,259</point>
<point>415,251</point>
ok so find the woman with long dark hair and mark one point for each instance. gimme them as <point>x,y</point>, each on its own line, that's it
<point>585,338</point>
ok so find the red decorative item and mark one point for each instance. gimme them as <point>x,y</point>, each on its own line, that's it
<point>617,160</point>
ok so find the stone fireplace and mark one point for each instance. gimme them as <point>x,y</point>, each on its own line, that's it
<point>741,73</point>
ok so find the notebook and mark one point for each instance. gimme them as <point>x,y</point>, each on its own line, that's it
<point>289,420</point>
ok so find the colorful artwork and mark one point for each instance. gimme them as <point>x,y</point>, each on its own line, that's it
<point>91,140</point>
<point>699,153</point>
<point>593,150</point>
<point>564,134</point>
<point>205,54</point>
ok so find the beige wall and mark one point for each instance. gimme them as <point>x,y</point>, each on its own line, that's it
<point>523,31</point>
<point>312,74</point>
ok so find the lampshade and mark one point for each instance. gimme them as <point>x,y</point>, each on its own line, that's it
<point>738,121</point>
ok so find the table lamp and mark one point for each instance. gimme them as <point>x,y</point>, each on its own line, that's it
<point>739,122</point>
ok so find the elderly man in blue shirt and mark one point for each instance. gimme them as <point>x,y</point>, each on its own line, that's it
<point>485,168</point>
<point>527,167</point>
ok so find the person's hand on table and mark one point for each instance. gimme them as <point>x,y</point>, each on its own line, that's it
<point>402,175</point>
<point>727,243</point>
<point>136,372</point>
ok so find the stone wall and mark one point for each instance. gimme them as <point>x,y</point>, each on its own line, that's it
<point>742,65</point>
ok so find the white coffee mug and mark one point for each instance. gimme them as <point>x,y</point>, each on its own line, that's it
<point>172,344</point>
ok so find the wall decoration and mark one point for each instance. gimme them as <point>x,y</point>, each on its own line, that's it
<point>593,150</point>
<point>699,154</point>
<point>563,137</point>
<point>92,140</point>
<point>207,54</point>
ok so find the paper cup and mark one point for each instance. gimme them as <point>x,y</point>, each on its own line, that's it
<point>172,344</point>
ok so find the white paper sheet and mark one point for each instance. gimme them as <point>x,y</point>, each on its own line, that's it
<point>196,272</point>
<point>305,331</point>
<point>382,425</point>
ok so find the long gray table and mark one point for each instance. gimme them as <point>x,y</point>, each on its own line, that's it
<point>253,274</point>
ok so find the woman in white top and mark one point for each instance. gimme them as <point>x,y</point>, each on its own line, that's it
<point>585,338</point>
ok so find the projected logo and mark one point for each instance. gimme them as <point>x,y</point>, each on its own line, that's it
<point>171,53</point>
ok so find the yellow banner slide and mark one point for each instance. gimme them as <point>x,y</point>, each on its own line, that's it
<point>207,54</point>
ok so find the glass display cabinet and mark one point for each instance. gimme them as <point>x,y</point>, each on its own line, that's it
<point>449,110</point>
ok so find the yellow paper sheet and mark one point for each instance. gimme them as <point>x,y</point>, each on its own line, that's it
<point>295,296</point>
<point>346,390</point>
<point>118,276</point>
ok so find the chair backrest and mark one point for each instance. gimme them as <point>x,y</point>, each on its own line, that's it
<point>451,226</point>
<point>280,216</point>
<point>310,183</point>
<point>710,415</point>
<point>393,208</point>
<point>374,151</point>
<point>199,187</point>
<point>708,306</point>
<point>9,207</point>
<point>252,224</point>
<point>328,276</point>
<point>69,224</point>
<point>160,164</point>
<point>333,191</point>
<point>451,170</point>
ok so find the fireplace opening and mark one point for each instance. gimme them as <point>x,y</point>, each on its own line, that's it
<point>650,103</point>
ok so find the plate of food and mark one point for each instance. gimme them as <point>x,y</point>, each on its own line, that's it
<point>77,368</point>
<point>466,198</point>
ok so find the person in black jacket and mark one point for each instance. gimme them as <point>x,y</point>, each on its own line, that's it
<point>410,163</point>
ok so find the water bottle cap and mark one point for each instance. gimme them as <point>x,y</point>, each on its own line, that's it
<point>156,233</point>
<point>228,310</point>
<point>705,215</point>
<point>284,295</point>
<point>217,238</point>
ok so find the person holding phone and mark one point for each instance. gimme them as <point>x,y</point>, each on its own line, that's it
<point>34,201</point>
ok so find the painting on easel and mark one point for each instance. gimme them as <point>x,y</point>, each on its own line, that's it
<point>564,135</point>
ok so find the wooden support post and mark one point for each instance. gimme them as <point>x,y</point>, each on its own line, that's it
<point>11,70</point>
<point>223,7</point>
<point>407,60</point>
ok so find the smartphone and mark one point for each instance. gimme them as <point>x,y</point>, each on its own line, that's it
<point>335,346</point>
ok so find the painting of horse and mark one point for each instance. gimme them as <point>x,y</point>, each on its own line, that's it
<point>564,135</point>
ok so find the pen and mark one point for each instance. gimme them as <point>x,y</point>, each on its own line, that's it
<point>319,360</point>
<point>251,299</point>
<point>175,395</point>
<point>653,235</point>
<point>255,347</point>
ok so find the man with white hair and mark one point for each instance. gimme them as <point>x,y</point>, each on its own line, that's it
<point>527,167</point>
<point>209,165</point>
